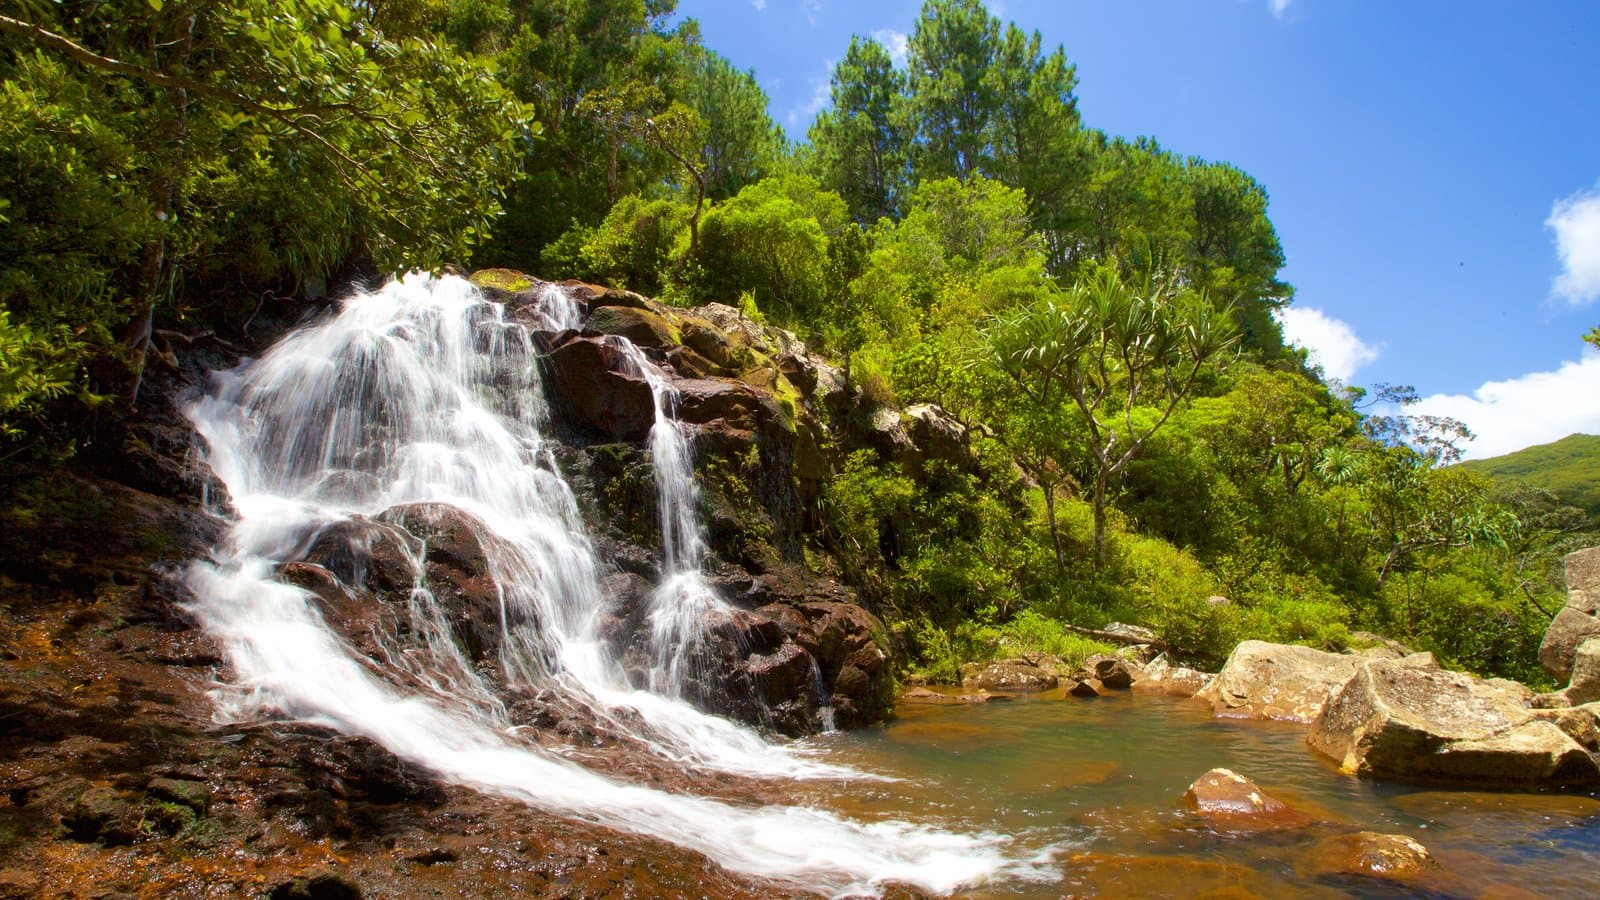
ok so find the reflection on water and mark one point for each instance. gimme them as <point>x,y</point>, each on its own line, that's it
<point>1096,784</point>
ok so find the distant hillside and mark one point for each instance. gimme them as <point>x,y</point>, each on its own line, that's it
<point>1568,468</point>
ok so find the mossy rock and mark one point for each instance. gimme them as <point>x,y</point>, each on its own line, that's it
<point>641,326</point>
<point>729,350</point>
<point>508,280</point>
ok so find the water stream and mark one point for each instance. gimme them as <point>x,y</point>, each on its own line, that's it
<point>423,392</point>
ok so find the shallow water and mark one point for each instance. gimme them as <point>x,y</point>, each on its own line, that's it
<point>1096,785</point>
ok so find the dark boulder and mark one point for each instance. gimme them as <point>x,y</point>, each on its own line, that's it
<point>594,391</point>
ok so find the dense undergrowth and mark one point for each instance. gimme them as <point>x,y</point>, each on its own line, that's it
<point>1097,312</point>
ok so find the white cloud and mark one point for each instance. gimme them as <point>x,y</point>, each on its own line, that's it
<point>1280,7</point>
<point>1332,343</point>
<point>1536,408</point>
<point>894,42</point>
<point>813,9</point>
<point>760,5</point>
<point>821,93</point>
<point>1576,222</point>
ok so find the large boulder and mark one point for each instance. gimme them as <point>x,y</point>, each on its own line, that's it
<point>641,326</point>
<point>1276,681</point>
<point>595,392</point>
<point>847,644</point>
<point>1394,720</point>
<point>1578,620</point>
<point>1020,675</point>
<point>1162,677</point>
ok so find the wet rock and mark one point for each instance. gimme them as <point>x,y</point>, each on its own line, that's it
<point>725,405</point>
<point>194,795</point>
<point>360,769</point>
<point>1578,620</point>
<point>102,814</point>
<point>1162,677</point>
<point>1276,681</point>
<point>1087,687</point>
<point>456,571</point>
<point>1403,721</point>
<point>1115,672</point>
<point>1228,798</point>
<point>925,696</point>
<point>594,392</point>
<point>845,640</point>
<point>362,553</point>
<point>641,326</point>
<point>1368,854</point>
<point>317,886</point>
<point>19,884</point>
<point>1009,675</point>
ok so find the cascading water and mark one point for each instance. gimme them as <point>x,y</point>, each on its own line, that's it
<point>424,393</point>
<point>683,598</point>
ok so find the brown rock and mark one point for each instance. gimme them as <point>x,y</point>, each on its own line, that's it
<point>1087,687</point>
<point>1370,854</point>
<point>641,326</point>
<point>1115,672</point>
<point>1162,677</point>
<point>1401,721</point>
<point>1228,798</point>
<point>1011,675</point>
<point>1578,620</point>
<point>594,391</point>
<point>930,697</point>
<point>1276,681</point>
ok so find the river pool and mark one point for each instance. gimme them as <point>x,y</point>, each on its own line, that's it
<point>1093,788</point>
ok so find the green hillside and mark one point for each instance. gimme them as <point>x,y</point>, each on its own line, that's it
<point>1568,468</point>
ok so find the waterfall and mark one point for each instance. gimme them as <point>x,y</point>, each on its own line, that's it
<point>423,392</point>
<point>683,598</point>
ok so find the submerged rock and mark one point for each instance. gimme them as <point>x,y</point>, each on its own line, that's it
<point>1369,854</point>
<point>1395,720</point>
<point>1115,672</point>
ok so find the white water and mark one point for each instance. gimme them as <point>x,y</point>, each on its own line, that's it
<point>423,392</point>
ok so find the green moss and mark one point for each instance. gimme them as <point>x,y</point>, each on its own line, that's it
<point>501,279</point>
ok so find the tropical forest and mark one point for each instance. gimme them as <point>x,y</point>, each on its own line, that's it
<point>452,447</point>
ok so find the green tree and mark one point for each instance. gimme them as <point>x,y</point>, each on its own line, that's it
<point>299,124</point>
<point>741,143</point>
<point>954,89</point>
<point>859,146</point>
<point>1124,355</point>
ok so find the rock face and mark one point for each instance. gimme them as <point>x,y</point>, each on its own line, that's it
<point>1395,720</point>
<point>1577,621</point>
<point>1276,681</point>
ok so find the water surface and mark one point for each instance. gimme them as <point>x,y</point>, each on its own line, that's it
<point>1097,785</point>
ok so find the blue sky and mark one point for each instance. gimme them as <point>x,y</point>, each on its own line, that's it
<point>1434,167</point>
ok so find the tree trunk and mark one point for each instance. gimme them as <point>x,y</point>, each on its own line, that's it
<point>1055,531</point>
<point>1100,479</point>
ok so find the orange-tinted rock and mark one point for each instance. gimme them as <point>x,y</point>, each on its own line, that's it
<point>1367,853</point>
<point>1227,798</point>
<point>1087,687</point>
<point>1277,681</point>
